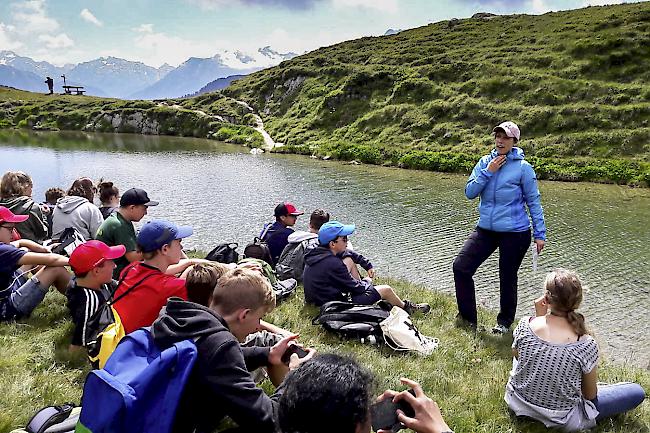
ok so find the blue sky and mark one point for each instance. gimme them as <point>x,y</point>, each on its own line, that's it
<point>159,31</point>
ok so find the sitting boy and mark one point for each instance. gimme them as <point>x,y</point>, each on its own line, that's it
<point>19,295</point>
<point>220,383</point>
<point>201,281</point>
<point>92,263</point>
<point>327,278</point>
<point>151,282</point>
<point>277,233</point>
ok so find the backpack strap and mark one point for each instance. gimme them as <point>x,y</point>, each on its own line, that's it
<point>127,291</point>
<point>266,231</point>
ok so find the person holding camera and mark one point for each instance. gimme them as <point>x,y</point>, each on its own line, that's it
<point>332,393</point>
<point>506,185</point>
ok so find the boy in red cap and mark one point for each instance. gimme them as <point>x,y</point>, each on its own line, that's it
<point>277,234</point>
<point>92,263</point>
<point>18,294</point>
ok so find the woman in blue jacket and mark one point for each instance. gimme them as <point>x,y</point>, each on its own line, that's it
<point>506,184</point>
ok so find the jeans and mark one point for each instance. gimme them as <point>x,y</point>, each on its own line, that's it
<point>477,248</point>
<point>617,398</point>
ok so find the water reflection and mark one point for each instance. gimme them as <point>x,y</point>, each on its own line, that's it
<point>411,224</point>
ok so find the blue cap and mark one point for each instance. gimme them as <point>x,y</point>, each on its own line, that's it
<point>333,229</point>
<point>156,233</point>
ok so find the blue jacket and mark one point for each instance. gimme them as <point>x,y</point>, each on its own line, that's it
<point>504,193</point>
<point>326,278</point>
<point>277,237</point>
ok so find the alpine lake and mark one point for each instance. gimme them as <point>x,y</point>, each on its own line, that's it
<point>411,224</point>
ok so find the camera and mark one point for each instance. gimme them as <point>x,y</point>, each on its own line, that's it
<point>384,414</point>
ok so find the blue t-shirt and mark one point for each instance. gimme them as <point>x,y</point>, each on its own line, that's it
<point>9,257</point>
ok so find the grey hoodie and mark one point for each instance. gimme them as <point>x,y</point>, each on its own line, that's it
<point>35,228</point>
<point>78,213</point>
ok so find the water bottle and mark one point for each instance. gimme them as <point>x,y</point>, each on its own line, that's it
<point>371,339</point>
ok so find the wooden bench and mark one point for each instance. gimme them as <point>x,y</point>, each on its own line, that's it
<point>78,90</point>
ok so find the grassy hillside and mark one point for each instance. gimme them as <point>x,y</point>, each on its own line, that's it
<point>576,82</point>
<point>208,116</point>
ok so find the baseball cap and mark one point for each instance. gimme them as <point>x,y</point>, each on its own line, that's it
<point>91,254</point>
<point>333,229</point>
<point>286,208</point>
<point>510,128</point>
<point>136,196</point>
<point>154,234</point>
<point>7,216</point>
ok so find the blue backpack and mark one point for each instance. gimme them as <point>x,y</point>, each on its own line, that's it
<point>139,388</point>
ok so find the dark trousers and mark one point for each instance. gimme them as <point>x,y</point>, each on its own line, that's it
<point>477,248</point>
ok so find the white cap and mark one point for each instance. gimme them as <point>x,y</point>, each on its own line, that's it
<point>510,128</point>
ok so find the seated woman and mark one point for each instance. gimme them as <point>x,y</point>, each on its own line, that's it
<point>554,377</point>
<point>77,210</point>
<point>16,195</point>
<point>109,196</point>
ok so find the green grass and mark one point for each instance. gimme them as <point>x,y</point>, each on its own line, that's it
<point>466,375</point>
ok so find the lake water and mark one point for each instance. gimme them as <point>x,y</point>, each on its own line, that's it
<point>410,223</point>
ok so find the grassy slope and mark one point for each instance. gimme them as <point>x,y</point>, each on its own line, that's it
<point>576,82</point>
<point>40,111</point>
<point>466,375</point>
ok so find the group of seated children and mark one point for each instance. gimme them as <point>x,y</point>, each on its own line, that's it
<point>220,307</point>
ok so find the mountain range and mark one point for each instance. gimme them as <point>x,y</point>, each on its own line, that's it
<point>120,78</point>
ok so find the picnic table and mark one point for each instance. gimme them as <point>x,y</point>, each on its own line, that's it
<point>78,90</point>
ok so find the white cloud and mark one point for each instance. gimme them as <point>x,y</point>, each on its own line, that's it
<point>155,48</point>
<point>391,6</point>
<point>86,15</point>
<point>601,2</point>
<point>30,17</point>
<point>283,41</point>
<point>6,41</point>
<point>540,6</point>
<point>59,41</point>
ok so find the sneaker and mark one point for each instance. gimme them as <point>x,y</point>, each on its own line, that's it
<point>413,308</point>
<point>500,329</point>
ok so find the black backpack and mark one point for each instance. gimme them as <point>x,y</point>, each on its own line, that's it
<point>259,249</point>
<point>224,253</point>
<point>353,321</point>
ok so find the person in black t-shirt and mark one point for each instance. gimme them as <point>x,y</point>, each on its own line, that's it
<point>92,263</point>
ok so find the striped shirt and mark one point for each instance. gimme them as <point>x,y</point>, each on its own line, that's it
<point>83,303</point>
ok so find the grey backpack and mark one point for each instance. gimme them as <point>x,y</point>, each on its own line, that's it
<point>291,263</point>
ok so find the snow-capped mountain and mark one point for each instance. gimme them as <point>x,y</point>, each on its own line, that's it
<point>115,77</point>
<point>196,72</point>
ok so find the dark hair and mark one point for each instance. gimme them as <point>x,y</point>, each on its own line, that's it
<point>201,280</point>
<point>564,294</point>
<point>318,218</point>
<point>106,191</point>
<point>83,187</point>
<point>330,393</point>
<point>53,194</point>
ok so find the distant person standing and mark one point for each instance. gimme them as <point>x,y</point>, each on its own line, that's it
<point>506,184</point>
<point>50,85</point>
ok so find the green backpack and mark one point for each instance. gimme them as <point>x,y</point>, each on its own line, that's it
<point>283,289</point>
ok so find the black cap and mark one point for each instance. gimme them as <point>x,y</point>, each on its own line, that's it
<point>136,196</point>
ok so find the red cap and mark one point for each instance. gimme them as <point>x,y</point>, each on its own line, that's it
<point>286,208</point>
<point>91,254</point>
<point>7,216</point>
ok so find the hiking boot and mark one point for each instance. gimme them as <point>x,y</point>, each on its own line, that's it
<point>500,329</point>
<point>412,308</point>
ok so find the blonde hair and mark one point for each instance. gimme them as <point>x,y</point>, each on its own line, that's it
<point>15,184</point>
<point>242,288</point>
<point>564,294</point>
<point>201,280</point>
